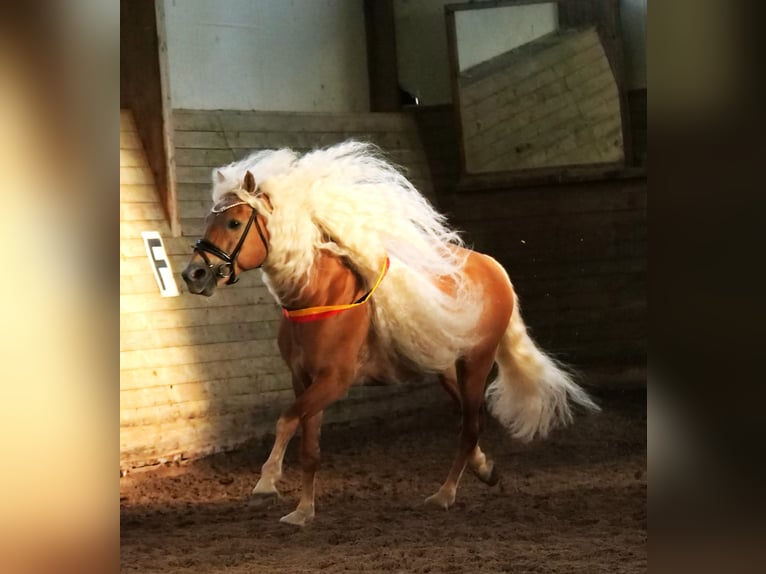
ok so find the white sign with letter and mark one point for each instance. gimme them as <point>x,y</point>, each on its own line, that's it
<point>160,262</point>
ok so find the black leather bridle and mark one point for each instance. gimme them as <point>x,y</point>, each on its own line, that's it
<point>226,269</point>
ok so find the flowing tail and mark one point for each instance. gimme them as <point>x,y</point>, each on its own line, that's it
<point>531,393</point>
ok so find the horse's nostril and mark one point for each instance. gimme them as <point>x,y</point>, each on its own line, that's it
<point>199,273</point>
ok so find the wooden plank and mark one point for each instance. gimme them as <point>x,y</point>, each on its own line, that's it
<point>227,393</point>
<point>196,120</point>
<point>138,193</point>
<point>175,337</point>
<point>194,209</point>
<point>202,409</point>
<point>312,122</point>
<point>252,140</point>
<point>130,141</point>
<point>149,212</point>
<point>146,284</point>
<point>126,121</point>
<point>189,438</point>
<point>204,157</point>
<point>137,266</point>
<point>238,295</point>
<point>195,174</point>
<point>177,374</point>
<point>519,204</point>
<point>192,354</point>
<point>196,191</point>
<point>236,120</point>
<point>133,229</point>
<point>523,272</point>
<point>202,390</point>
<point>197,318</point>
<point>132,158</point>
<point>136,175</point>
<point>202,139</point>
<point>134,247</point>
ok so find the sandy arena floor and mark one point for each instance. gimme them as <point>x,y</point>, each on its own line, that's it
<point>575,502</point>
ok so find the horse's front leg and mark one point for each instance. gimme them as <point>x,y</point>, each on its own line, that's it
<point>309,457</point>
<point>271,471</point>
<point>324,390</point>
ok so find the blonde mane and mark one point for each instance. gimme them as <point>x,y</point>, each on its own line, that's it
<point>348,201</point>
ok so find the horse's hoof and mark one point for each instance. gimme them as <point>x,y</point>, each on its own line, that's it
<point>441,500</point>
<point>494,477</point>
<point>490,478</point>
<point>298,518</point>
<point>264,499</point>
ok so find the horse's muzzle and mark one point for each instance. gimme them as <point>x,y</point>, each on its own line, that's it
<point>199,278</point>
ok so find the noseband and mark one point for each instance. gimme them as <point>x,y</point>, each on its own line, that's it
<point>226,269</point>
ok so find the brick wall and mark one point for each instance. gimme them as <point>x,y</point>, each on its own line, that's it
<point>553,101</point>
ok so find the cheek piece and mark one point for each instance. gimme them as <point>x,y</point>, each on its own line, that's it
<point>226,269</point>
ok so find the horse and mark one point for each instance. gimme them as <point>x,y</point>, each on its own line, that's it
<point>374,286</point>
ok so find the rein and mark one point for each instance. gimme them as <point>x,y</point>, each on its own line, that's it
<point>325,311</point>
<point>226,269</point>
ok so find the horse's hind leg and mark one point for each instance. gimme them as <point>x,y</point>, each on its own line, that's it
<point>309,457</point>
<point>472,376</point>
<point>478,462</point>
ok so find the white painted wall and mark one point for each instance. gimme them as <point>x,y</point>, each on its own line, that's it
<point>421,46</point>
<point>421,49</point>
<point>484,34</point>
<point>275,55</point>
<point>633,17</point>
<point>421,42</point>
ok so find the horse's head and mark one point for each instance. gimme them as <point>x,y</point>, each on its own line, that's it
<point>228,245</point>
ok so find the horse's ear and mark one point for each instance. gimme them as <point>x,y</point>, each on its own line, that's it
<point>218,176</point>
<point>249,184</point>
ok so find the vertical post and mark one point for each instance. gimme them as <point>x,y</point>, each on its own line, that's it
<point>167,122</point>
<point>381,55</point>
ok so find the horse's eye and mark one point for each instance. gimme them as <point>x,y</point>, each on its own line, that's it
<point>233,224</point>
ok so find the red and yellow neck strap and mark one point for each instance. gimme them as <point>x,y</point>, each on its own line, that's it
<point>322,312</point>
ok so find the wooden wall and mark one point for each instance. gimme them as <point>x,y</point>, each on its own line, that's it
<point>553,101</point>
<point>199,375</point>
<point>577,255</point>
<point>141,89</point>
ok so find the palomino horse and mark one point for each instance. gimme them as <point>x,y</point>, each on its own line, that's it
<point>373,286</point>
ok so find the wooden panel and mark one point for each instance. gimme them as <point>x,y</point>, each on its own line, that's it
<point>196,318</point>
<point>203,120</point>
<point>212,389</point>
<point>203,157</point>
<point>192,354</point>
<point>144,283</point>
<point>174,337</point>
<point>576,254</point>
<point>136,175</point>
<point>202,409</point>
<point>133,229</point>
<point>225,296</point>
<point>162,375</point>
<point>131,158</point>
<point>126,121</point>
<point>148,212</point>
<point>196,175</point>
<point>138,193</point>
<point>141,87</point>
<point>194,370</point>
<point>130,141</point>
